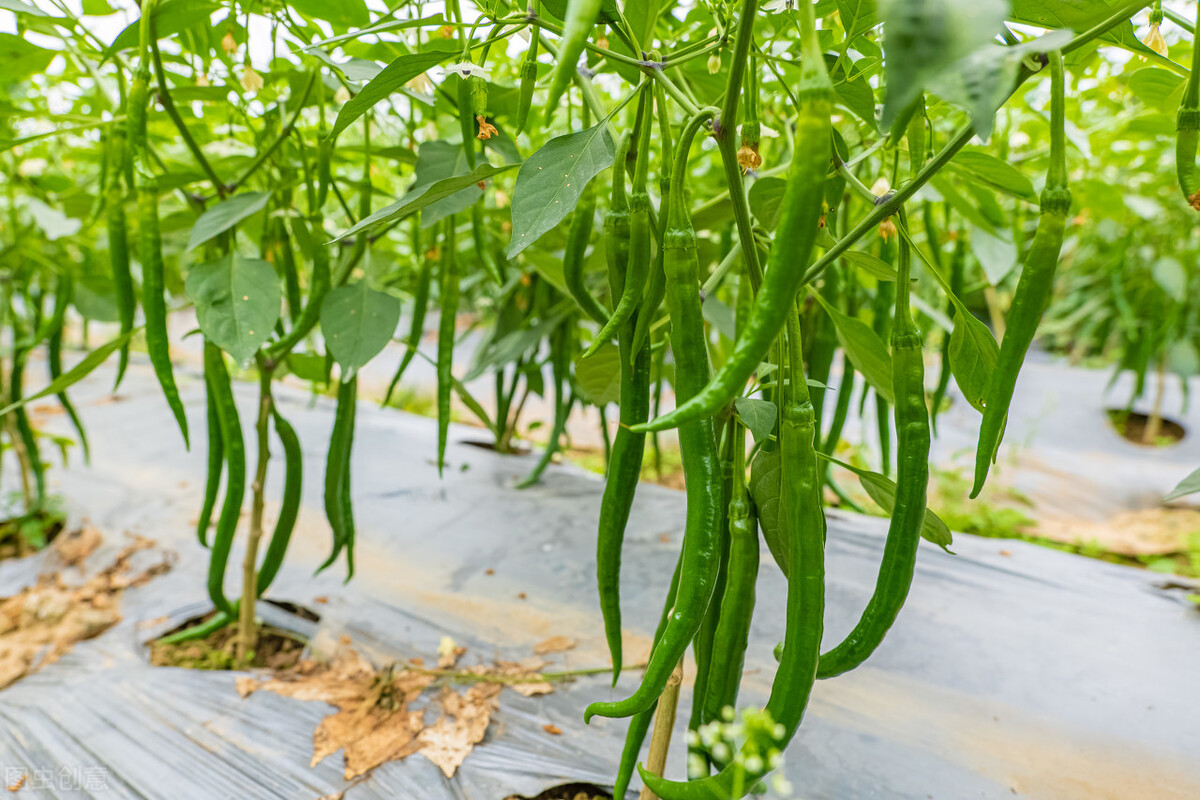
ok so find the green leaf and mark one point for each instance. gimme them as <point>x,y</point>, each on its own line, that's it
<point>757,415</point>
<point>75,374</point>
<point>357,323</point>
<point>22,59</point>
<point>599,376</point>
<point>973,353</point>
<point>872,265</point>
<point>393,76</point>
<point>424,196</point>
<point>865,349</point>
<point>997,255</point>
<point>225,215</point>
<point>437,161</point>
<point>170,17</point>
<point>923,39</point>
<point>882,491</point>
<point>18,7</point>
<point>858,16</point>
<point>343,13</point>
<point>993,172</point>
<point>766,195</point>
<point>552,179</point>
<point>237,303</point>
<point>1189,485</point>
<point>766,485</point>
<point>1075,15</point>
<point>1156,87</point>
<point>858,96</point>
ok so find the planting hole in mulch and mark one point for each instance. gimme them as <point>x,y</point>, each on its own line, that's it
<point>277,649</point>
<point>1133,426</point>
<point>568,791</point>
<point>26,534</point>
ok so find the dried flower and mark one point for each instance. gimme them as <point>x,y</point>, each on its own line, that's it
<point>748,156</point>
<point>251,80</point>
<point>486,129</point>
<point>228,43</point>
<point>887,229</point>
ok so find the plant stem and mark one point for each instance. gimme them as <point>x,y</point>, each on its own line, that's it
<point>284,133</point>
<point>664,723</point>
<point>164,94</point>
<point>247,633</point>
<point>1153,427</point>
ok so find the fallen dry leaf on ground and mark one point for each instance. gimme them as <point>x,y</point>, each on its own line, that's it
<point>553,730</point>
<point>375,722</point>
<point>555,644</point>
<point>1152,531</point>
<point>41,623</point>
<point>71,548</point>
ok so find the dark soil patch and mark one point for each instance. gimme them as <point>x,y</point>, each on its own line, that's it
<point>277,649</point>
<point>568,791</point>
<point>1132,425</point>
<point>24,535</point>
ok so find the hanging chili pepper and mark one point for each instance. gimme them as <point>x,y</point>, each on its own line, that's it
<point>697,445</point>
<point>1035,286</point>
<point>217,379</point>
<point>449,288</point>
<point>800,213</point>
<point>1187,127</point>
<point>289,509</point>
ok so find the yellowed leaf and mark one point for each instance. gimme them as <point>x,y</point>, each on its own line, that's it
<point>555,644</point>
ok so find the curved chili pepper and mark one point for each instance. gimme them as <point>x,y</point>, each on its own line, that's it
<point>448,285</point>
<point>623,458</point>
<point>118,257</point>
<point>289,509</point>
<point>638,267</point>
<point>800,212</point>
<point>1035,286</point>
<point>908,516</point>
<point>697,445</point>
<point>560,360</point>
<point>217,377</point>
<point>575,257</point>
<point>64,294</point>
<point>528,82</point>
<point>1187,127</point>
<point>656,286</point>
<point>577,25</point>
<point>337,476</point>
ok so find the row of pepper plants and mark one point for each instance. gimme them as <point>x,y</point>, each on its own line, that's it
<point>782,212</point>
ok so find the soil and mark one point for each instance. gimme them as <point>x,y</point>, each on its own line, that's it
<point>568,791</point>
<point>15,538</point>
<point>277,650</point>
<point>1132,426</point>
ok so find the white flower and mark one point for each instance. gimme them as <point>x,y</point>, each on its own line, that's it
<point>775,6</point>
<point>465,70</point>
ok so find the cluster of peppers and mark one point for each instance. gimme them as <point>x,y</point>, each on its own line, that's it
<point>710,599</point>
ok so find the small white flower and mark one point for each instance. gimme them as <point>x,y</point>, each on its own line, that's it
<point>464,70</point>
<point>775,6</point>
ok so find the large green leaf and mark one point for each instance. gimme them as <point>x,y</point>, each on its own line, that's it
<point>393,76</point>
<point>765,197</point>
<point>757,415</point>
<point>882,490</point>
<point>424,196</point>
<point>857,16</point>
<point>1077,16</point>
<point>992,171</point>
<point>552,179</point>
<point>923,39</point>
<point>237,303</point>
<point>225,215</point>
<point>343,13</point>
<point>357,323</point>
<point>22,59</point>
<point>973,353</point>
<point>170,17</point>
<point>1189,485</point>
<point>872,265</point>
<point>864,347</point>
<point>599,376</point>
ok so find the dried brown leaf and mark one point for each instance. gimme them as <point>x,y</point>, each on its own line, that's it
<point>555,644</point>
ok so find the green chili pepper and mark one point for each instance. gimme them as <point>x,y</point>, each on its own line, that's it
<point>800,212</point>
<point>528,83</point>
<point>574,258</point>
<point>638,267</point>
<point>957,269</point>
<point>449,287</point>
<point>289,509</point>
<point>416,330</point>
<point>118,255</point>
<point>625,454</point>
<point>737,602</point>
<point>824,342</point>
<point>656,286</point>
<point>154,298</point>
<point>337,476</point>
<point>882,324</point>
<point>1035,286</point>
<point>1187,127</point>
<point>639,724</point>
<point>466,120</point>
<point>24,429</point>
<point>908,516</point>
<point>697,445</point>
<point>217,377</point>
<point>216,461</point>
<point>578,23</point>
<point>63,296</point>
<point>560,360</point>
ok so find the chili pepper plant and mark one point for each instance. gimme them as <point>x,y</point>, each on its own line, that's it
<point>747,223</point>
